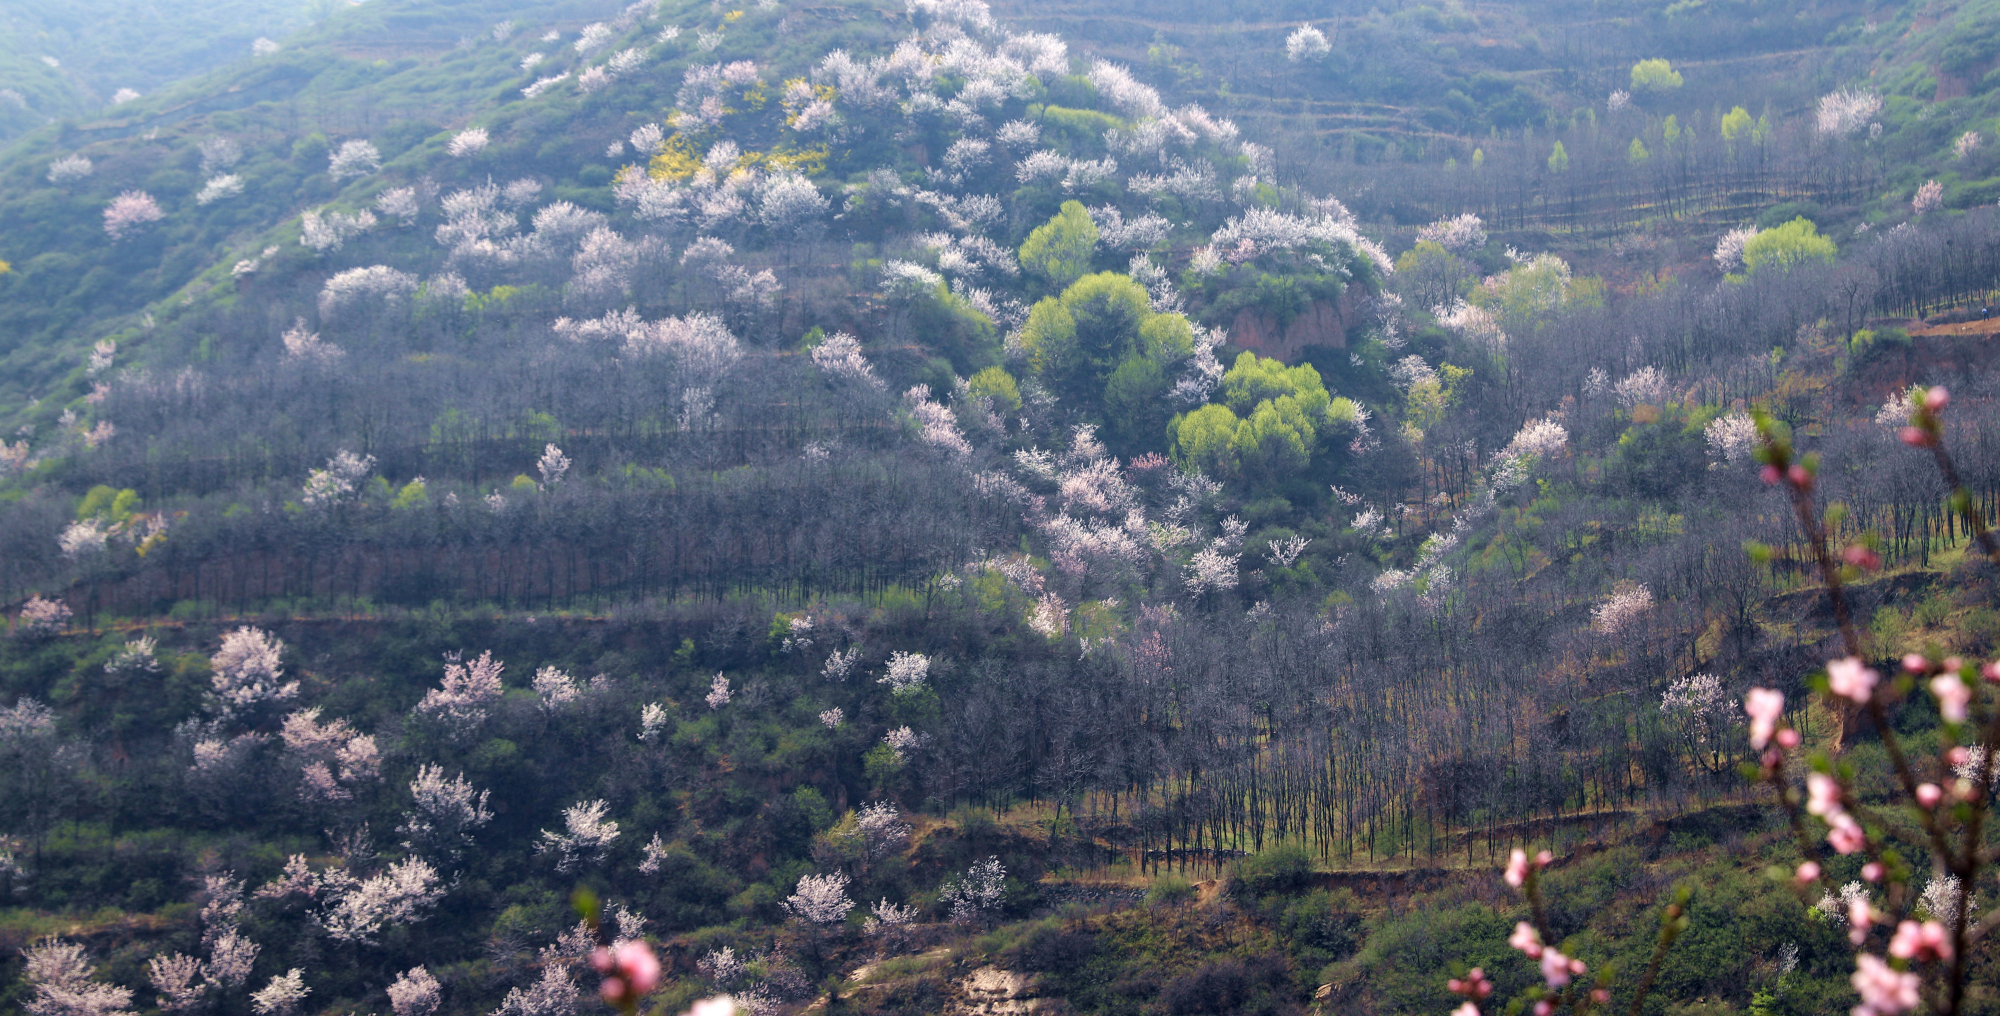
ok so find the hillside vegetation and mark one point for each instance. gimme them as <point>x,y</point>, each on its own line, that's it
<point>914,512</point>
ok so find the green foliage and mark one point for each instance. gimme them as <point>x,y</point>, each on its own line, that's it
<point>1272,419</point>
<point>996,384</point>
<point>1736,122</point>
<point>949,324</point>
<point>1655,76</point>
<point>1059,251</point>
<point>1559,159</point>
<point>1795,243</point>
<point>1637,154</point>
<point>1101,344</point>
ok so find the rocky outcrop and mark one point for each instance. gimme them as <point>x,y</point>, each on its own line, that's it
<point>1322,324</point>
<point>991,991</point>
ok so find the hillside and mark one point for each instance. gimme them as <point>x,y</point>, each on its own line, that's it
<point>920,507</point>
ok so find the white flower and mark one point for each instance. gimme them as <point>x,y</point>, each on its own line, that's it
<point>1307,43</point>
<point>820,899</point>
<point>1619,610</point>
<point>69,169</point>
<point>470,141</point>
<point>977,893</point>
<point>354,158</point>
<point>282,996</point>
<point>587,835</point>
<point>906,672</point>
<point>1843,113</point>
<point>1731,438</point>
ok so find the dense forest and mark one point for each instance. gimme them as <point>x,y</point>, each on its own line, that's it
<point>926,507</point>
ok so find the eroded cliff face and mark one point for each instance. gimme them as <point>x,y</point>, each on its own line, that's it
<point>1323,324</point>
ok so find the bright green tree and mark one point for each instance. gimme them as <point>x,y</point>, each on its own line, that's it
<point>1059,250</point>
<point>1637,154</point>
<point>1655,76</point>
<point>1736,122</point>
<point>1559,159</point>
<point>1795,243</point>
<point>1101,344</point>
<point>1271,419</point>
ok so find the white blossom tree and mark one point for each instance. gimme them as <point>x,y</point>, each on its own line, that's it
<point>353,159</point>
<point>443,815</point>
<point>282,996</point>
<point>586,835</point>
<point>1307,44</point>
<point>464,697</point>
<point>177,981</point>
<point>977,893</point>
<point>820,899</point>
<point>906,672</point>
<point>403,894</point>
<point>60,974</point>
<point>248,675</point>
<point>415,993</point>
<point>129,212</point>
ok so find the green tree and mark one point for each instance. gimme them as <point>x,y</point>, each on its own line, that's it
<point>1736,122</point>
<point>1794,243</point>
<point>1059,250</point>
<point>1637,154</point>
<point>1655,76</point>
<point>1272,419</point>
<point>1075,341</point>
<point>1559,159</point>
<point>1206,440</point>
<point>1430,276</point>
<point>1135,405</point>
<point>996,384</point>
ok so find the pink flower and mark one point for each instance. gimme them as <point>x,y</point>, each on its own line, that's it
<point>1924,942</point>
<point>1822,795</point>
<point>1929,794</point>
<point>1851,679</point>
<point>1952,695</point>
<point>1765,707</point>
<point>1557,968</point>
<point>1883,991</point>
<point>1915,663</point>
<point>1915,437</point>
<point>1526,939</point>
<point>1860,917</point>
<point>1936,399</point>
<point>1474,985</point>
<point>720,1005</point>
<point>1807,874</point>
<point>1845,836</point>
<point>1544,1007</point>
<point>1861,557</point>
<point>1991,672</point>
<point>1872,871</point>
<point>1800,476</point>
<point>630,968</point>
<point>1788,739</point>
<point>1517,868</point>
<point>1468,1009</point>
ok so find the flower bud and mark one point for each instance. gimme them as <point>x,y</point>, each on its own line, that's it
<point>1929,794</point>
<point>1872,871</point>
<point>1936,399</point>
<point>1915,437</point>
<point>1807,874</point>
<point>1800,476</point>
<point>1915,663</point>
